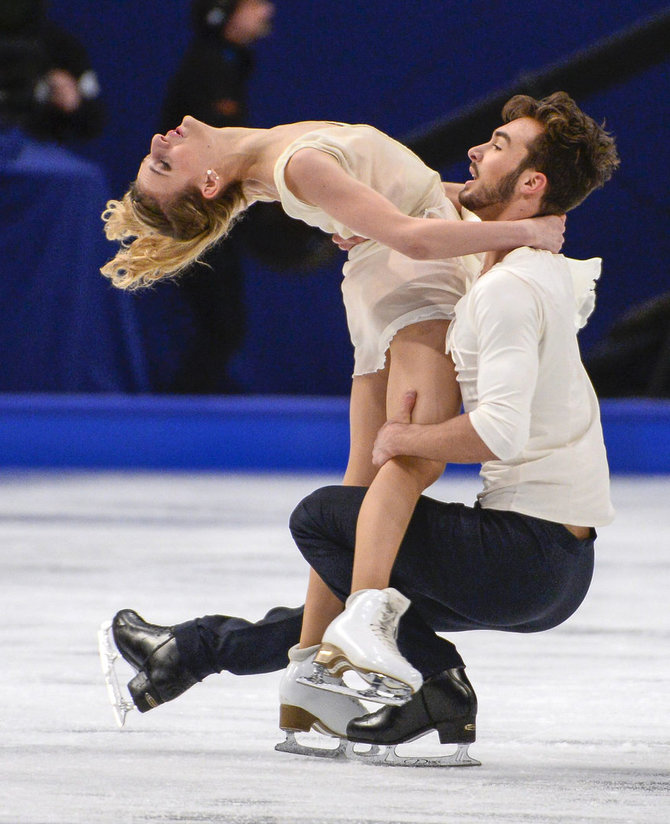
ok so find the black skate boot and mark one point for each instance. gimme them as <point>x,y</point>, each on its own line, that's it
<point>152,651</point>
<point>446,703</point>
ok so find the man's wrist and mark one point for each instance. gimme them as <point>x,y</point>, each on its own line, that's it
<point>405,439</point>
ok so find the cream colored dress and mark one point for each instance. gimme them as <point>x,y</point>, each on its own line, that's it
<point>383,290</point>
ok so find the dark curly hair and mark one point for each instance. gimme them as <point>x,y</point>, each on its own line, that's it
<point>575,153</point>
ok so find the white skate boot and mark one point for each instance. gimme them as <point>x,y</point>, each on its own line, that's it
<point>302,709</point>
<point>362,639</point>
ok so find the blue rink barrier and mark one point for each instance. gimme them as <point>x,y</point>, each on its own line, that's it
<point>246,433</point>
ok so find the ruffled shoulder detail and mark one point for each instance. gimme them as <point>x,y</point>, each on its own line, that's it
<point>584,275</point>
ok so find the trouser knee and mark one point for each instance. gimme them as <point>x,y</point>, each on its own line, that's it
<point>323,526</point>
<point>327,516</point>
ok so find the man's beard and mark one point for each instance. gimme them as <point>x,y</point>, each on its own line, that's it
<point>482,197</point>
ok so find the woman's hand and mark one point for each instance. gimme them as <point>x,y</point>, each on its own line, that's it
<point>547,232</point>
<point>347,243</point>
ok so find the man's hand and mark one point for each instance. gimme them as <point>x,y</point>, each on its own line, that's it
<point>388,442</point>
<point>347,243</point>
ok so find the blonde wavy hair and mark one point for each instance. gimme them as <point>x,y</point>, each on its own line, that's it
<point>159,241</point>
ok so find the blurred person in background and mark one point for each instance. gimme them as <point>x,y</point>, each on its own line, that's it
<point>211,81</point>
<point>211,85</point>
<point>48,87</point>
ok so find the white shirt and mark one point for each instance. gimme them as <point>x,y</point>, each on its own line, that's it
<point>514,343</point>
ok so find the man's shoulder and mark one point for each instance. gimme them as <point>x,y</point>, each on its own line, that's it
<point>536,267</point>
<point>530,260</point>
<point>524,278</point>
<point>568,284</point>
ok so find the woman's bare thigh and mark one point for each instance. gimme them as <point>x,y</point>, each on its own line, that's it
<point>419,362</point>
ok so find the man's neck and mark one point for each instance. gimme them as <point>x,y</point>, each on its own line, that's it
<point>513,210</point>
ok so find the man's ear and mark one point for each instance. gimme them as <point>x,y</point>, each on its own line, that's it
<point>533,183</point>
<point>210,187</point>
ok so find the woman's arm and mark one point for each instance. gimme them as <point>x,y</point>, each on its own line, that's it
<point>452,190</point>
<point>318,179</point>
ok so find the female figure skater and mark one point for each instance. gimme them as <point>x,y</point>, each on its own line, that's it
<point>399,288</point>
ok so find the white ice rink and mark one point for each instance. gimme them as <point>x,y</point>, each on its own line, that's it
<point>574,724</point>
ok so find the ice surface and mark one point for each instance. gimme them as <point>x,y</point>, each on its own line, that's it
<point>574,724</point>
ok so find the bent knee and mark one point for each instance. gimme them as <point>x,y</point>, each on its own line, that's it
<point>325,510</point>
<point>421,472</point>
<point>306,514</point>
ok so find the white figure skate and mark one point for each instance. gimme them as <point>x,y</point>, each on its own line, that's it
<point>304,710</point>
<point>362,639</point>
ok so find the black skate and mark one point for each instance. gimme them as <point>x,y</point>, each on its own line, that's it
<point>446,703</point>
<point>152,651</point>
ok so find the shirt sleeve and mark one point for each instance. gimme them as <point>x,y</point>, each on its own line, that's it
<point>508,318</point>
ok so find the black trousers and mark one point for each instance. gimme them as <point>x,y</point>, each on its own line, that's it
<point>462,567</point>
<point>214,293</point>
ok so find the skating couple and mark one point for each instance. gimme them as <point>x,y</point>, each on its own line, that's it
<point>408,567</point>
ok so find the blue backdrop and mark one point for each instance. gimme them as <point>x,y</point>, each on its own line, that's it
<point>396,65</point>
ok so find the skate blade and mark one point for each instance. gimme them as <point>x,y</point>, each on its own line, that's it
<point>388,757</point>
<point>376,692</point>
<point>331,661</point>
<point>121,705</point>
<point>294,747</point>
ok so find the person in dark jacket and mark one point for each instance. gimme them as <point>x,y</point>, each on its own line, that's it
<point>211,85</point>
<point>48,86</point>
<point>211,81</point>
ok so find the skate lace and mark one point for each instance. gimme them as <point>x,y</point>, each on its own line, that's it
<point>385,628</point>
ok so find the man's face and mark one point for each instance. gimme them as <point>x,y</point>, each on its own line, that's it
<point>495,167</point>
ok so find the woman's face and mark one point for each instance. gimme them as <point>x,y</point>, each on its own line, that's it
<point>177,160</point>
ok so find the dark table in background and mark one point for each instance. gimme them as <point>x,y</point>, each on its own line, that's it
<point>63,327</point>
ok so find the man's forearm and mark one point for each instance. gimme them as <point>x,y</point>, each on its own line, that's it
<point>453,441</point>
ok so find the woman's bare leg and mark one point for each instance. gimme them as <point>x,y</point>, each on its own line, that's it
<point>367,413</point>
<point>321,607</point>
<point>418,362</point>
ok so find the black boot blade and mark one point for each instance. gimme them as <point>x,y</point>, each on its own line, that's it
<point>152,650</point>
